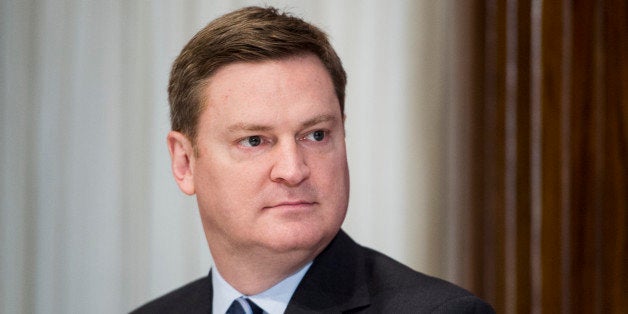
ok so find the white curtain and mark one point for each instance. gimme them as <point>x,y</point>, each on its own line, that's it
<point>90,218</point>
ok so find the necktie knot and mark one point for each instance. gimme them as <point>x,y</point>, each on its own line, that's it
<point>243,305</point>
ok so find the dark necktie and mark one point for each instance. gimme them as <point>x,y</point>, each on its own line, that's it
<point>237,308</point>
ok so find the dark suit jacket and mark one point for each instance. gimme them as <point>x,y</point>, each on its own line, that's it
<point>345,277</point>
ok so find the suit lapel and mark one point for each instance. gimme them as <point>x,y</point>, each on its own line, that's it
<point>335,282</point>
<point>203,297</point>
<point>210,305</point>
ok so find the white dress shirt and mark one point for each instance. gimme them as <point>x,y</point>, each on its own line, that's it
<point>273,300</point>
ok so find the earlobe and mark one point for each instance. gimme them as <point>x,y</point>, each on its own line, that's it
<point>182,157</point>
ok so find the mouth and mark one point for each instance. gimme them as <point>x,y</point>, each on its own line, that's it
<point>292,205</point>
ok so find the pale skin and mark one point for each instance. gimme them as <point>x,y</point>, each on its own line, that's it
<point>271,176</point>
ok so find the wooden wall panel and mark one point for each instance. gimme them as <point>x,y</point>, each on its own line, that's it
<point>550,156</point>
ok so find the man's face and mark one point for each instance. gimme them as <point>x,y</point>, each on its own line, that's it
<point>271,171</point>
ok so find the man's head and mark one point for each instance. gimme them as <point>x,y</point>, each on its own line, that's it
<point>251,34</point>
<point>258,136</point>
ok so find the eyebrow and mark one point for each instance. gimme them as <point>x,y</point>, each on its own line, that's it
<point>241,126</point>
<point>316,120</point>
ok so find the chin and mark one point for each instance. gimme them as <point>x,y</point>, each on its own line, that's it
<point>311,240</point>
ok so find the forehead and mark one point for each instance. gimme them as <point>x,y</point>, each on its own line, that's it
<point>306,68</point>
<point>280,89</point>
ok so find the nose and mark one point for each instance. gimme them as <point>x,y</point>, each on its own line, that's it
<point>290,167</point>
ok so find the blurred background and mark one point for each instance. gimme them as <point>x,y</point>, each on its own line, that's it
<point>487,145</point>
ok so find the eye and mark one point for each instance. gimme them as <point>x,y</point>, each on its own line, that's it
<point>317,135</point>
<point>251,141</point>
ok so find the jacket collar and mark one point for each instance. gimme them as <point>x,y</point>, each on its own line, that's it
<point>336,281</point>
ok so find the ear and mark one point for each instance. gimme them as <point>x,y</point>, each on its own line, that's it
<point>182,157</point>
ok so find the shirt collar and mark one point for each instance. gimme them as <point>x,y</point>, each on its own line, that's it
<point>273,300</point>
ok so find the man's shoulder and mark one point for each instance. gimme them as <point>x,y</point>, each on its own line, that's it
<point>395,287</point>
<point>194,297</point>
<point>360,279</point>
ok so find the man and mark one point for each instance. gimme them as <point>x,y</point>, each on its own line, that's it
<point>257,110</point>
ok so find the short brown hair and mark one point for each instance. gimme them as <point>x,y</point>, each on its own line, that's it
<point>250,34</point>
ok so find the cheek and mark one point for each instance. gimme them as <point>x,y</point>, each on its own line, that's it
<point>227,188</point>
<point>332,174</point>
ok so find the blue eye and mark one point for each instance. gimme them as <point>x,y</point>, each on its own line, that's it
<point>251,141</point>
<point>317,135</point>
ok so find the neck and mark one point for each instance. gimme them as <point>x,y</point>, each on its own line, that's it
<point>252,274</point>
